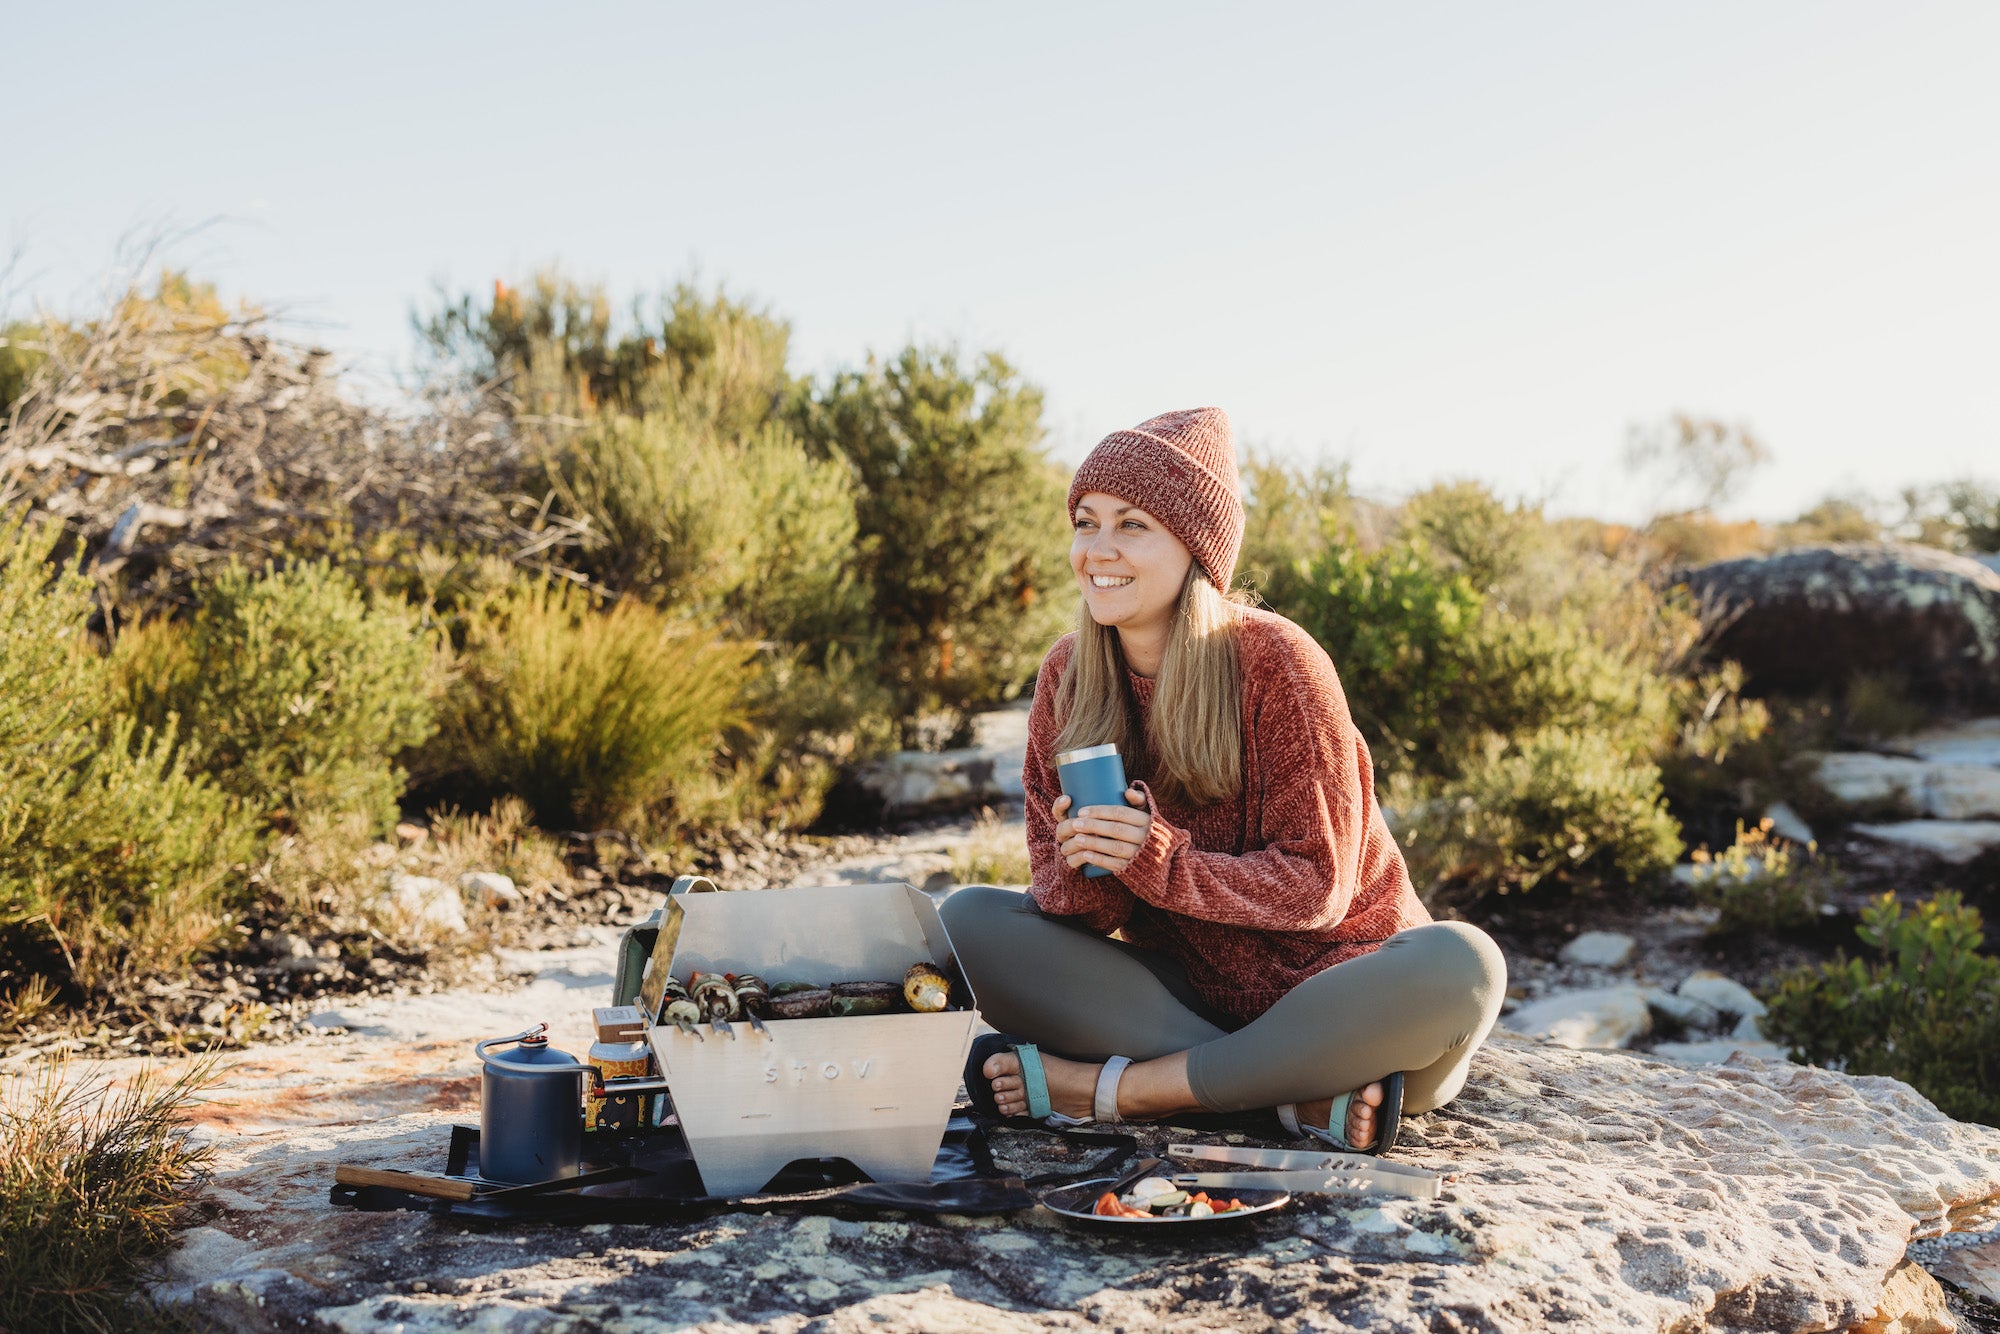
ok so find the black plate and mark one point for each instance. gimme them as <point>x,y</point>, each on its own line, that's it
<point>1076,1202</point>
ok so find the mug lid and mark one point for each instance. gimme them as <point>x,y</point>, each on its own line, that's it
<point>1087,753</point>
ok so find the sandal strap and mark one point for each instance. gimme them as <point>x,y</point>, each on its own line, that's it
<point>1034,1080</point>
<point>1104,1102</point>
<point>1336,1117</point>
<point>1288,1117</point>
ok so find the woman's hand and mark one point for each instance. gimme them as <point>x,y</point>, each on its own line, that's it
<point>1107,836</point>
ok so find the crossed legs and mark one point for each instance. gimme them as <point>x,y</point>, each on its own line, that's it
<point>1421,1003</point>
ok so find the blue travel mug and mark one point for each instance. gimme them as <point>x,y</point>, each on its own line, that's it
<point>1092,776</point>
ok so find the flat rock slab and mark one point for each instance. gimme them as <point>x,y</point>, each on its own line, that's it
<point>1596,1017</point>
<point>1591,1190</point>
<point>1955,841</point>
<point>1976,741</point>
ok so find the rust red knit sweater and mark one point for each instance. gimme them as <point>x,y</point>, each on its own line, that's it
<point>1255,894</point>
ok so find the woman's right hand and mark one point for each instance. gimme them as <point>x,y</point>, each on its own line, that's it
<point>1109,836</point>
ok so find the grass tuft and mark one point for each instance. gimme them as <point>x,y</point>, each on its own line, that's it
<point>93,1184</point>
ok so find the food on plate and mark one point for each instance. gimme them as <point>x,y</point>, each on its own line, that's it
<point>1157,1197</point>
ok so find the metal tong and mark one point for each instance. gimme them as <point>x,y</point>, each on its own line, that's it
<point>1307,1170</point>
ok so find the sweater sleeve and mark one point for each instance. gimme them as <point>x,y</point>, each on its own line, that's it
<point>1060,890</point>
<point>1317,785</point>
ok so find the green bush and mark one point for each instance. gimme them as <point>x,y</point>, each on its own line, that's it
<point>1402,634</point>
<point>752,531</point>
<point>1926,1011</point>
<point>593,718</point>
<point>1525,696</point>
<point>93,1185</point>
<point>1759,883</point>
<point>109,848</point>
<point>1558,806</point>
<point>964,538</point>
<point>293,691</point>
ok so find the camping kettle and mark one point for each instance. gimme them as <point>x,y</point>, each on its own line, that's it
<point>530,1109</point>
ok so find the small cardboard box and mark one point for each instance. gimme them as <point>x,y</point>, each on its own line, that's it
<point>875,1089</point>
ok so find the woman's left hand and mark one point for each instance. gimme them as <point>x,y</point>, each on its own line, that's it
<point>1107,836</point>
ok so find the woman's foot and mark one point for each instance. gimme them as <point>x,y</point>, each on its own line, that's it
<point>1360,1130</point>
<point>1072,1084</point>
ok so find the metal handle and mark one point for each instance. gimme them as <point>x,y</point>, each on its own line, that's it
<point>522,1067</point>
<point>694,884</point>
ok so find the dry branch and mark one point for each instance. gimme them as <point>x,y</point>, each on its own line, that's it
<point>165,442</point>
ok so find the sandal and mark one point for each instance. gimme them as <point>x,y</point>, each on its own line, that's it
<point>1035,1083</point>
<point>1388,1119</point>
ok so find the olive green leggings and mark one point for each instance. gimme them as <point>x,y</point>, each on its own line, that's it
<point>1421,1003</point>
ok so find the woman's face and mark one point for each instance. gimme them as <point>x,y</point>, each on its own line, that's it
<point>1128,565</point>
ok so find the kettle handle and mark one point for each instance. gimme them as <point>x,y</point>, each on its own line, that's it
<point>522,1067</point>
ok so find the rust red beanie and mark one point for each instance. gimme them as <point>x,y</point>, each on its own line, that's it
<point>1180,467</point>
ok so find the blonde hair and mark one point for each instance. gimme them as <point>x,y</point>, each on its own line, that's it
<point>1191,750</point>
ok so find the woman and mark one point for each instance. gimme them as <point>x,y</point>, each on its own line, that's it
<point>1273,952</point>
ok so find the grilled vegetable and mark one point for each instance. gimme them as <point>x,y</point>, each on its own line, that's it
<point>799,1001</point>
<point>844,1006</point>
<point>681,1009</point>
<point>925,989</point>
<point>889,991</point>
<point>717,999</point>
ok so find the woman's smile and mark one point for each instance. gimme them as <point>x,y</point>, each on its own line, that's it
<point>1130,568</point>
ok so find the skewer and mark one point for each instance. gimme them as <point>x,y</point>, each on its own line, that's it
<point>682,1010</point>
<point>751,993</point>
<point>712,992</point>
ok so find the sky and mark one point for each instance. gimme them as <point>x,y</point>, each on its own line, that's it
<point>1430,240</point>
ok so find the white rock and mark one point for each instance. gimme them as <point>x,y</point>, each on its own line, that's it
<point>1857,778</point>
<point>1787,824</point>
<point>1599,949</point>
<point>492,889</point>
<point>1683,1010</point>
<point>1720,993</point>
<point>1748,1029</point>
<point>1599,1017</point>
<point>1716,1051</point>
<point>1974,1267</point>
<point>1955,841</point>
<point>1974,742</point>
<point>423,903</point>
<point>1962,792</point>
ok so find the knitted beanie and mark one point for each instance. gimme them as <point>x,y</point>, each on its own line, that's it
<point>1180,467</point>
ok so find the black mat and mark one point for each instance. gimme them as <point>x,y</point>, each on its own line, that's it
<point>964,1180</point>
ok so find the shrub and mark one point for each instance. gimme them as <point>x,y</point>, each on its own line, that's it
<point>109,849</point>
<point>294,692</point>
<point>93,1184</point>
<point>1925,1011</point>
<point>1289,516</point>
<point>996,854</point>
<point>1400,632</point>
<point>753,531</point>
<point>593,718</point>
<point>963,530</point>
<point>1559,805</point>
<point>1759,883</point>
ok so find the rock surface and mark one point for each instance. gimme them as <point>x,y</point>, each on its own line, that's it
<point>1814,617</point>
<point>1939,790</point>
<point>1955,841</point>
<point>986,773</point>
<point>1599,949</point>
<point>425,904</point>
<point>1597,1017</point>
<point>1590,1190</point>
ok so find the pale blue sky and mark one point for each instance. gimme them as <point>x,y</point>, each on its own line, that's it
<point>1433,239</point>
